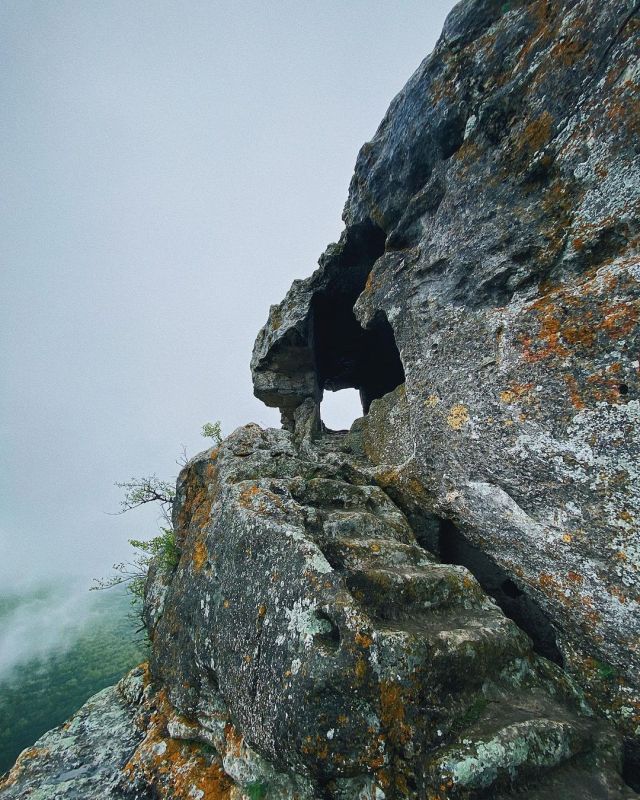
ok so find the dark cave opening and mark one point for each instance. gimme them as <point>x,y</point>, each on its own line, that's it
<point>346,354</point>
<point>631,764</point>
<point>515,603</point>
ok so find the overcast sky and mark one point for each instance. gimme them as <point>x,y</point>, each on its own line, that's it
<point>168,168</point>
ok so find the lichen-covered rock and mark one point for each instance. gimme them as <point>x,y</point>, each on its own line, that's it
<point>493,222</point>
<point>83,757</point>
<point>126,743</point>
<point>325,642</point>
<point>330,630</point>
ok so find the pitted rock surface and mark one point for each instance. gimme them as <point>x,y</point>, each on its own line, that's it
<point>330,630</point>
<point>344,653</point>
<point>492,238</point>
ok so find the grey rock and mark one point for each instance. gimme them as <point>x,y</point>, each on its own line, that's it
<point>344,654</point>
<point>492,237</point>
<point>80,759</point>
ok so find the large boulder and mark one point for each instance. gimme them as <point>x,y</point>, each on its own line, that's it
<point>443,601</point>
<point>492,242</point>
<point>306,625</point>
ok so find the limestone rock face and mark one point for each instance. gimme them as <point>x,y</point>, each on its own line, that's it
<point>491,242</point>
<point>442,602</point>
<point>344,656</point>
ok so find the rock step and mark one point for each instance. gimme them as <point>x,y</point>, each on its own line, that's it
<point>353,554</point>
<point>336,494</point>
<point>507,756</point>
<point>580,779</point>
<point>362,524</point>
<point>395,592</point>
<point>524,744</point>
<point>457,648</point>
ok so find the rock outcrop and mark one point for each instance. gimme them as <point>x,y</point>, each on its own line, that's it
<point>441,602</point>
<point>490,265</point>
<point>306,646</point>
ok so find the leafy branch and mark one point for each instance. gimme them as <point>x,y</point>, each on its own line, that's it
<point>212,430</point>
<point>163,548</point>
<point>151,489</point>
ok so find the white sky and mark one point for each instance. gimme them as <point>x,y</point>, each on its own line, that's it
<point>168,169</point>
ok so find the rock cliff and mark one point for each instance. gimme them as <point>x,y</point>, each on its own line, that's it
<point>443,601</point>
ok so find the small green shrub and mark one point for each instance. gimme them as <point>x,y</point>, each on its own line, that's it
<point>163,548</point>
<point>212,430</point>
<point>134,573</point>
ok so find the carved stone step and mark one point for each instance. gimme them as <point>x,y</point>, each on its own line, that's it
<point>456,648</point>
<point>583,778</point>
<point>366,525</point>
<point>353,554</point>
<point>525,741</point>
<point>396,592</point>
<point>507,756</point>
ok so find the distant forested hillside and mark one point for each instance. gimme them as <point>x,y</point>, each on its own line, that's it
<point>40,692</point>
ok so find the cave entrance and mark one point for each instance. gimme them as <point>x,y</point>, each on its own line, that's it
<point>346,355</point>
<point>454,548</point>
<point>350,357</point>
<point>339,410</point>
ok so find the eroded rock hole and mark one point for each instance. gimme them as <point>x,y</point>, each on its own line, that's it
<point>346,355</point>
<point>328,638</point>
<point>510,589</point>
<point>339,409</point>
<point>515,603</point>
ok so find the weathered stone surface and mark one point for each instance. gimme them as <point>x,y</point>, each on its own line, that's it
<point>125,743</point>
<point>500,193</point>
<point>341,653</point>
<point>306,647</point>
<point>330,630</point>
<point>80,759</point>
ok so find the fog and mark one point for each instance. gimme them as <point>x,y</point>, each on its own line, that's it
<point>168,169</point>
<point>43,623</point>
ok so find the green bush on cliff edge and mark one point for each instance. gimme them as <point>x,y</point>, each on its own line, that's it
<point>162,548</point>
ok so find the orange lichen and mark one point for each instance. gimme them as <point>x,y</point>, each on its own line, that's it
<point>27,755</point>
<point>569,50</point>
<point>573,319</point>
<point>392,713</point>
<point>211,470</point>
<point>515,392</point>
<point>370,284</point>
<point>574,392</point>
<point>247,496</point>
<point>537,133</point>
<point>620,319</point>
<point>173,768</point>
<point>361,668</point>
<point>363,639</point>
<point>458,416</point>
<point>200,555</point>
<point>261,500</point>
